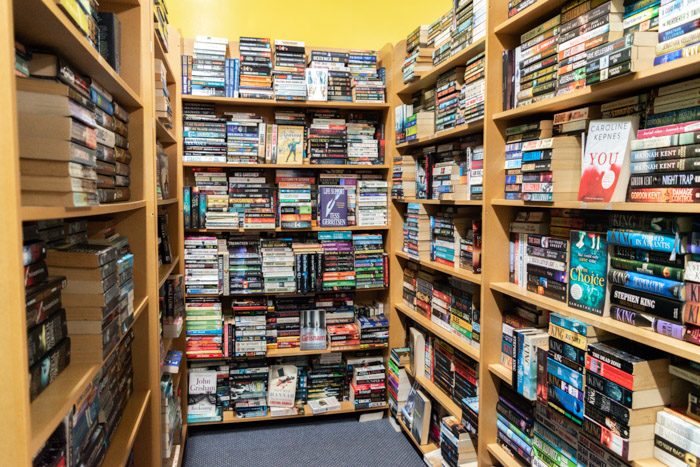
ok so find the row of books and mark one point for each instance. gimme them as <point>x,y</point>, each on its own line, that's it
<point>257,324</point>
<point>591,42</point>
<point>298,199</point>
<point>457,99</point>
<point>451,304</point>
<point>654,133</point>
<point>636,268</point>
<point>163,106</point>
<point>429,45</point>
<point>258,388</point>
<point>285,73</point>
<point>74,145</point>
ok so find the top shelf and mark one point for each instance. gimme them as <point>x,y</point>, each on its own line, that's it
<point>241,102</point>
<point>613,89</point>
<point>529,17</point>
<point>42,23</point>
<point>427,80</point>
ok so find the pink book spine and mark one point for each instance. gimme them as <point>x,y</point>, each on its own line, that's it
<point>669,130</point>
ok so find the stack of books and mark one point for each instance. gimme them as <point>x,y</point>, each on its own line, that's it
<point>249,388</point>
<point>306,260</point>
<point>251,197</point>
<point>327,377</point>
<point>440,37</point>
<point>479,21</point>
<point>338,271</point>
<point>397,380</point>
<point>372,202</point>
<point>368,385</point>
<point>470,248</point>
<point>447,228</point>
<point>404,178</point>
<point>328,140</point>
<point>362,146</point>
<point>278,261</point>
<point>370,261</point>
<point>283,322</point>
<point>172,306</point>
<point>456,444</point>
<point>448,89</point>
<point>342,335</point>
<point>367,84</point>
<point>473,93</point>
<point>449,172</point>
<point>410,278</point>
<point>416,232</point>
<point>256,68</point>
<point>294,198</point>
<point>677,36</point>
<point>85,17</point>
<point>635,51</point>
<point>250,327</point>
<point>204,328</point>
<point>202,265</point>
<point>339,77</point>
<point>464,319</point>
<point>541,159</point>
<point>515,419</point>
<point>516,137</point>
<point>419,57</point>
<point>425,285</point>
<point>116,384</point>
<point>463,24</point>
<point>678,435</point>
<point>245,138</point>
<point>374,330</point>
<point>339,308</point>
<point>204,133</point>
<point>289,71</point>
<point>208,76</point>
<point>164,109</point>
<point>245,266</point>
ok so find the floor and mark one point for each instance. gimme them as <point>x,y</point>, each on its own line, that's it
<point>327,442</point>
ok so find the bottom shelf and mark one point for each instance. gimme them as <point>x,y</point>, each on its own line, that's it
<point>345,407</point>
<point>424,448</point>
<point>123,438</point>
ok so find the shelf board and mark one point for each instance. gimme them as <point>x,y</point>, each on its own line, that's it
<point>35,213</point>
<point>452,271</point>
<point>450,337</point>
<point>618,206</point>
<point>296,352</point>
<point>345,407</point>
<point>124,436</point>
<point>164,134</point>
<point>505,459</point>
<point>502,372</point>
<point>242,102</point>
<point>164,270</point>
<point>354,228</point>
<point>226,165</point>
<point>56,401</point>
<point>165,202</point>
<point>428,79</point>
<point>161,54</point>
<point>612,89</point>
<point>58,33</point>
<point>445,202</point>
<point>524,20</point>
<point>460,130</point>
<point>287,294</point>
<point>437,393</point>
<point>651,462</point>
<point>424,448</point>
<point>641,335</point>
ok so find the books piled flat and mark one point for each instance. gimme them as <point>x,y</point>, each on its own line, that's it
<point>479,21</point>
<point>245,137</point>
<point>449,172</point>
<point>201,265</point>
<point>678,436</point>
<point>443,367</point>
<point>541,159</point>
<point>404,179</point>
<point>362,147</point>
<point>306,261</point>
<point>256,68</point>
<point>372,202</point>
<point>208,76</point>
<point>473,93</point>
<point>419,57</point>
<point>338,272</point>
<point>278,261</point>
<point>633,52</point>
<point>678,34</point>
<point>294,198</point>
<point>526,224</point>
<point>456,444</point>
<point>538,71</point>
<point>416,232</point>
<point>343,335</point>
<point>251,197</point>
<point>203,328</point>
<point>463,22</point>
<point>245,267</point>
<point>327,377</point>
<point>374,330</point>
<point>574,121</point>
<point>440,37</point>
<point>339,77</point>
<point>470,248</point>
<point>514,424</point>
<point>338,307</point>
<point>288,73</point>
<point>397,380</point>
<point>209,200</point>
<point>474,148</point>
<point>248,382</point>
<point>204,133</point>
<point>464,311</point>
<point>448,88</point>
<point>368,385</point>
<point>250,327</point>
<point>58,138</point>
<point>283,322</point>
<point>116,384</point>
<point>516,137</point>
<point>370,261</point>
<point>367,84</point>
<point>424,291</point>
<point>448,228</point>
<point>466,391</point>
<point>408,292</point>
<point>328,143</point>
<point>663,158</point>
<point>164,110</point>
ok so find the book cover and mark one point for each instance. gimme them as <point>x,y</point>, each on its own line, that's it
<point>316,84</point>
<point>202,394</point>
<point>605,165</point>
<point>588,271</point>
<point>333,206</point>
<point>313,330</point>
<point>290,144</point>
<point>282,386</point>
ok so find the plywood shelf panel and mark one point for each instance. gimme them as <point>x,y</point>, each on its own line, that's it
<point>35,213</point>
<point>452,271</point>
<point>460,130</point>
<point>616,206</point>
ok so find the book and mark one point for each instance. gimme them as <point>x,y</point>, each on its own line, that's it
<point>333,206</point>
<point>282,386</point>
<point>588,272</point>
<point>290,145</point>
<point>313,330</point>
<point>317,84</point>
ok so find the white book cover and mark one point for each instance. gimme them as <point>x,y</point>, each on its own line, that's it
<point>317,84</point>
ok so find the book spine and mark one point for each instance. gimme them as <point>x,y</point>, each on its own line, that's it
<point>655,285</point>
<point>608,371</point>
<point>606,405</point>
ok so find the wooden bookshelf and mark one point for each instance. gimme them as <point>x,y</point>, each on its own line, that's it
<point>164,134</point>
<point>166,202</point>
<point>172,67</point>
<point>352,228</point>
<point>435,266</point>
<point>296,352</point>
<point>444,202</point>
<point>450,337</point>
<point>165,270</point>
<point>617,206</point>
<point>529,17</point>
<point>226,165</point>
<point>460,130</point>
<point>35,213</point>
<point>437,393</point>
<point>124,437</point>
<point>423,448</point>
<point>502,456</point>
<point>505,374</point>
<point>243,102</point>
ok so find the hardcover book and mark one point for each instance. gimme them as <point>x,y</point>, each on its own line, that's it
<point>282,386</point>
<point>587,271</point>
<point>333,203</point>
<point>313,330</point>
<point>605,168</point>
<point>202,396</point>
<point>290,145</point>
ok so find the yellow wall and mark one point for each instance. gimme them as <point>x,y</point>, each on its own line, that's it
<point>365,24</point>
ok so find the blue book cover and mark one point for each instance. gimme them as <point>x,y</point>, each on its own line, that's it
<point>665,243</point>
<point>656,285</point>
<point>587,271</point>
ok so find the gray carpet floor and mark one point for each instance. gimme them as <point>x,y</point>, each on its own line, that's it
<point>323,442</point>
